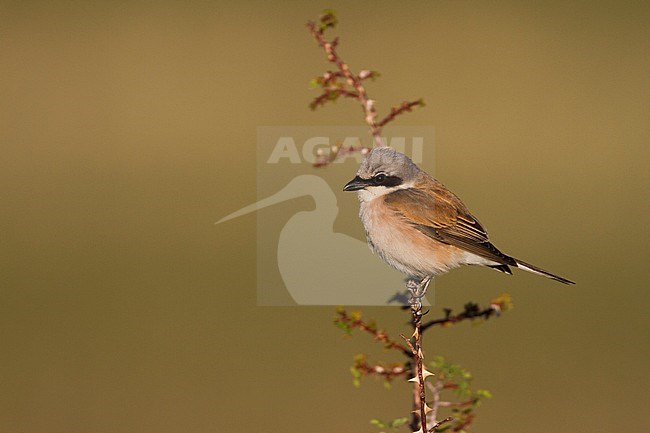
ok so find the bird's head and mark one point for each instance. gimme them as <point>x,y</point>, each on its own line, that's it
<point>383,171</point>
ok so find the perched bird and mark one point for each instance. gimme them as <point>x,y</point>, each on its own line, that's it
<point>419,227</point>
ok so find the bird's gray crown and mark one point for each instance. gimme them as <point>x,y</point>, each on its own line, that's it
<point>388,161</point>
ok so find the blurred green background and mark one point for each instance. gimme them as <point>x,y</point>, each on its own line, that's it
<point>128,128</point>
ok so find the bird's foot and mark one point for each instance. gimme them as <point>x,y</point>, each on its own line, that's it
<point>417,289</point>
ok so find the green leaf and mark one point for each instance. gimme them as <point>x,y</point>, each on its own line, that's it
<point>392,425</point>
<point>398,422</point>
<point>356,374</point>
<point>328,19</point>
<point>463,388</point>
<point>483,393</point>
<point>344,327</point>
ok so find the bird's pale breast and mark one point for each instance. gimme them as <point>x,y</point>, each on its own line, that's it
<point>404,247</point>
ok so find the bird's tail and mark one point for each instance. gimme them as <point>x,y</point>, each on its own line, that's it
<point>535,270</point>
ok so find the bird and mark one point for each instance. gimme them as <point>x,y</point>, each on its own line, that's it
<point>418,226</point>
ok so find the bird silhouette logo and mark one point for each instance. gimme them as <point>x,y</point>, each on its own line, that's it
<point>308,243</point>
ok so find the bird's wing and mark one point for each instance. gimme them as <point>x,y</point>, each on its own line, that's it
<point>439,214</point>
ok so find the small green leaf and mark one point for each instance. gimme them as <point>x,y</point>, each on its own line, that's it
<point>359,358</point>
<point>328,19</point>
<point>392,425</point>
<point>344,327</point>
<point>398,422</point>
<point>483,393</point>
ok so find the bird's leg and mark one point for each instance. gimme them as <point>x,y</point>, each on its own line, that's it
<point>417,289</point>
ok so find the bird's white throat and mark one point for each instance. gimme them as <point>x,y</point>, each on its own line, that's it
<point>368,194</point>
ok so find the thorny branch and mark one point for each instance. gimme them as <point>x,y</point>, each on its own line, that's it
<point>418,290</point>
<point>348,321</point>
<point>472,311</point>
<point>396,111</point>
<point>353,320</point>
<point>387,373</point>
<point>343,82</point>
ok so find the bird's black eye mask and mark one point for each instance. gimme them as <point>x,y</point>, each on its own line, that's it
<point>379,179</point>
<point>382,179</point>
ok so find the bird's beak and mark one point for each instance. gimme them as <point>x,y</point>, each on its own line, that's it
<point>356,184</point>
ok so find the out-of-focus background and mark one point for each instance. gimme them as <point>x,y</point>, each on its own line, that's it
<point>128,128</point>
